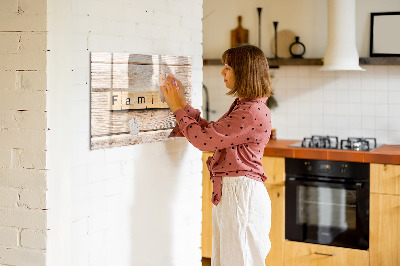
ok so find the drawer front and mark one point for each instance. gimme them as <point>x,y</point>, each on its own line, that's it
<point>297,254</point>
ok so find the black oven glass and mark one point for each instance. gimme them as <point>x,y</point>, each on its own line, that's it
<point>326,208</point>
<point>327,204</point>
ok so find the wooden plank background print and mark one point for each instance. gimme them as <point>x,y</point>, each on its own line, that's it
<point>127,105</point>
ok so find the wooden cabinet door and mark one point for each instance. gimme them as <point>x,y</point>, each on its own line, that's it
<point>274,168</point>
<point>304,254</point>
<point>385,178</point>
<point>277,233</point>
<point>384,237</point>
<point>206,226</point>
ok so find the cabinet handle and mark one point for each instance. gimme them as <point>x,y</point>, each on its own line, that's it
<point>324,254</point>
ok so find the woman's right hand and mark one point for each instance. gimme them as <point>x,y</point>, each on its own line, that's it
<point>181,91</point>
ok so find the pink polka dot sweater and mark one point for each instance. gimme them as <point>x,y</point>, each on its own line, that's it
<point>238,139</point>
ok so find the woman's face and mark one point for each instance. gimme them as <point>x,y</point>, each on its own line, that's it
<point>229,76</point>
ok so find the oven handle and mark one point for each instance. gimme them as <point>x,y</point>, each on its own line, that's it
<point>357,185</point>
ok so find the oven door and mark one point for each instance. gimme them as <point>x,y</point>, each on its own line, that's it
<point>327,213</point>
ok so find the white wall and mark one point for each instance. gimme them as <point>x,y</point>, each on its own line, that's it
<point>311,102</point>
<point>23,133</point>
<point>133,205</point>
<point>306,19</point>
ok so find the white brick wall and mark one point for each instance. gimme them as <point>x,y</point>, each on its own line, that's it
<point>136,205</point>
<point>22,132</point>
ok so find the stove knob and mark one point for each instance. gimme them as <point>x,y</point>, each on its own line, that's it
<point>343,168</point>
<point>308,166</point>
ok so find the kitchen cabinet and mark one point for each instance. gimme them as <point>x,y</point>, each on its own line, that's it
<point>385,178</point>
<point>385,215</point>
<point>305,254</point>
<point>206,226</point>
<point>274,168</point>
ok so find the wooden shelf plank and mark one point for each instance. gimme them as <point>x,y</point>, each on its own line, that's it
<point>273,62</point>
<point>380,61</point>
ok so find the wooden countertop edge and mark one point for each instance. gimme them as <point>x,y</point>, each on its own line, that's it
<point>386,154</point>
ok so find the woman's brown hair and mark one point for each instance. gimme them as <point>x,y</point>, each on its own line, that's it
<point>250,66</point>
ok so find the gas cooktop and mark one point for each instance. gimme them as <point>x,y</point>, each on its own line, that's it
<point>332,142</point>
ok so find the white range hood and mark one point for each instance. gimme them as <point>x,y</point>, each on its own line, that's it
<point>341,51</point>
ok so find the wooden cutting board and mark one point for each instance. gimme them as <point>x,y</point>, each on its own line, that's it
<point>239,35</point>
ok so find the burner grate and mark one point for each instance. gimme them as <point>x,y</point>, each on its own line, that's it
<point>327,142</point>
<point>332,142</point>
<point>358,144</point>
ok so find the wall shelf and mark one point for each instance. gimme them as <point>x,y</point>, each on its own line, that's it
<point>380,61</point>
<point>274,63</point>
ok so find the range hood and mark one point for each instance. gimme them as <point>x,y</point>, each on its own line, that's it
<point>341,51</point>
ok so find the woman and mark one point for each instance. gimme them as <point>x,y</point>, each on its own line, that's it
<point>242,208</point>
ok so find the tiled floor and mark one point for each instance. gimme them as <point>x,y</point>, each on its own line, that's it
<point>206,261</point>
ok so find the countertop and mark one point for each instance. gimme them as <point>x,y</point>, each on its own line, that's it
<point>389,154</point>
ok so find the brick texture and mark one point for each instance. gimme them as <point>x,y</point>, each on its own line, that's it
<point>23,126</point>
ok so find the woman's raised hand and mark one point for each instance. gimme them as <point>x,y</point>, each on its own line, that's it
<point>181,90</point>
<point>174,93</point>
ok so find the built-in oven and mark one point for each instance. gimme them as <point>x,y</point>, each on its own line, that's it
<point>327,202</point>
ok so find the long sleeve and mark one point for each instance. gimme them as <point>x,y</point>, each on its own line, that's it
<point>231,130</point>
<point>193,113</point>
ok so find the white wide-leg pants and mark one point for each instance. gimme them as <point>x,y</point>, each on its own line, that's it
<point>241,223</point>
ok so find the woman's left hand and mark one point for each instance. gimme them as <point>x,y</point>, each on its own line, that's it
<point>170,90</point>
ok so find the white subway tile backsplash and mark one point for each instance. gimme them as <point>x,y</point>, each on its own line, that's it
<point>355,132</point>
<point>394,137</point>
<point>367,133</point>
<point>381,97</point>
<point>354,96</point>
<point>292,82</point>
<point>316,72</point>
<point>328,74</point>
<point>342,81</point>
<point>393,71</point>
<point>367,122</point>
<point>394,123</point>
<point>342,96</point>
<point>348,103</point>
<point>367,96</point>
<point>354,80</point>
<point>329,109</point>
<point>329,93</point>
<point>291,71</point>
<point>304,72</point>
<point>381,84</point>
<point>329,123</point>
<point>303,82</point>
<point>316,82</point>
<point>394,83</point>
<point>381,122</point>
<point>342,122</point>
<point>380,71</point>
<point>342,109</point>
<point>394,110</point>
<point>381,110</point>
<point>381,136</point>
<point>394,97</point>
<point>367,110</point>
<point>355,122</point>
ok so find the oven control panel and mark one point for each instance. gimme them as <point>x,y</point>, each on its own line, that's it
<point>337,169</point>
